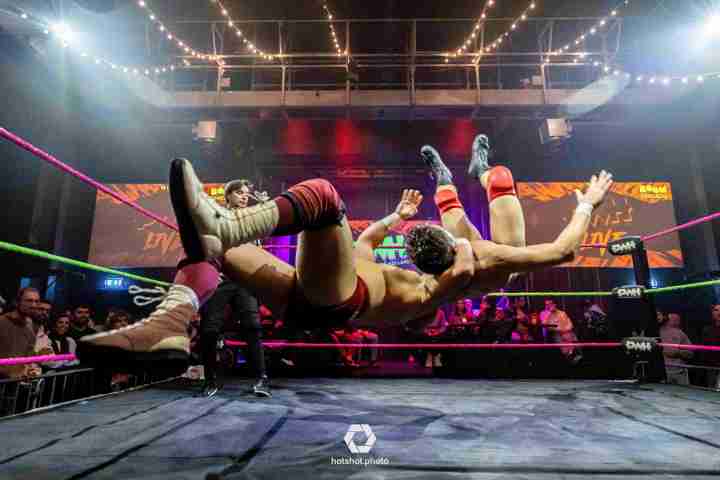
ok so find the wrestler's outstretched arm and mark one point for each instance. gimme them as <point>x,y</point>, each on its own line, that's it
<point>523,259</point>
<point>372,237</point>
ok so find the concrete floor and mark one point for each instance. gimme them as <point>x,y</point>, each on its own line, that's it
<point>425,428</point>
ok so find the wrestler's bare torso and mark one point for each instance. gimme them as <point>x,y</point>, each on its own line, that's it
<point>398,295</point>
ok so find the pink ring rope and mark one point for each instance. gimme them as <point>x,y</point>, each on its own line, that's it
<point>25,145</point>
<point>667,231</point>
<point>396,346</point>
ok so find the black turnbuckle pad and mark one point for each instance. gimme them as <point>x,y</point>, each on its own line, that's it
<point>629,292</point>
<point>625,245</point>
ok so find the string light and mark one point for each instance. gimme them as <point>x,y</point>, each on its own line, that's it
<point>333,34</point>
<point>64,35</point>
<point>499,40</point>
<point>656,80</point>
<point>171,37</point>
<point>582,38</point>
<point>239,33</point>
<point>471,38</point>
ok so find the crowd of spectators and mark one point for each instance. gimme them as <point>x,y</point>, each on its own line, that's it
<point>30,325</point>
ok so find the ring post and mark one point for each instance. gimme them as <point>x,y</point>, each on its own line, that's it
<point>656,364</point>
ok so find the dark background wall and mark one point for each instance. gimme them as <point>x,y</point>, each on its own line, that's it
<point>97,126</point>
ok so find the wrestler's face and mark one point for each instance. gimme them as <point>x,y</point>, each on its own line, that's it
<point>550,306</point>
<point>238,199</point>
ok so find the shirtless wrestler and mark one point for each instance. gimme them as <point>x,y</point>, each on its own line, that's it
<point>334,282</point>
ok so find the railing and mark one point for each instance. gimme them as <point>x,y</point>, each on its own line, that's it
<point>56,387</point>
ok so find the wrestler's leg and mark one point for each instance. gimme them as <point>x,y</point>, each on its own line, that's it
<point>269,278</point>
<point>208,229</point>
<point>507,222</point>
<point>326,264</point>
<point>452,214</point>
<point>453,217</point>
<point>161,339</point>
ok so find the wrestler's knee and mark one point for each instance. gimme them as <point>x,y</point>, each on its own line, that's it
<point>317,203</point>
<point>500,183</point>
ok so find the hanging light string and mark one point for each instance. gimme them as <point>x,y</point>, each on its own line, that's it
<point>658,80</point>
<point>581,40</point>
<point>64,35</point>
<point>462,49</point>
<point>333,34</point>
<point>494,46</point>
<point>252,48</point>
<point>171,37</point>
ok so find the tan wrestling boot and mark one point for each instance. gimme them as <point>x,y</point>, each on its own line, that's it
<point>208,229</point>
<point>160,341</point>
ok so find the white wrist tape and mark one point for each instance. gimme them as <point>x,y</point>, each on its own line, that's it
<point>585,208</point>
<point>391,220</point>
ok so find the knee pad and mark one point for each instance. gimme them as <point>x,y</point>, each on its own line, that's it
<point>500,183</point>
<point>316,203</point>
<point>447,199</point>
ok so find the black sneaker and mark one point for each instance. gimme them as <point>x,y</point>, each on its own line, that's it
<point>438,169</point>
<point>480,155</point>
<point>209,388</point>
<point>262,387</point>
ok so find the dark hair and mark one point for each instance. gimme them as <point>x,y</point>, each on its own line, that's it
<point>430,248</point>
<point>22,291</point>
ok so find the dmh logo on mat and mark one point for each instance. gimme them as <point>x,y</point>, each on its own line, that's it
<point>369,438</point>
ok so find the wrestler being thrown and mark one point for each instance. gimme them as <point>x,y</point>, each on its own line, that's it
<point>335,283</point>
<point>434,250</point>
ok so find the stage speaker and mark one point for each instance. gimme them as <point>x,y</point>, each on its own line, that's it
<point>205,131</point>
<point>554,130</point>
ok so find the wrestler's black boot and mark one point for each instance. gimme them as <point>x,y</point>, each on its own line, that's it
<point>438,170</point>
<point>480,154</point>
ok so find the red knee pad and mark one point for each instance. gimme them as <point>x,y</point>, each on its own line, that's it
<point>317,204</point>
<point>500,183</point>
<point>202,277</point>
<point>447,199</point>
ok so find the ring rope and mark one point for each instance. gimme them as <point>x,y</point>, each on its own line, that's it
<point>667,231</point>
<point>25,145</point>
<point>11,247</point>
<point>394,346</point>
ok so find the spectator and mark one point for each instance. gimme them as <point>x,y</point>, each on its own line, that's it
<point>560,329</point>
<point>462,312</point>
<point>596,325</point>
<point>365,337</point>
<point>80,322</point>
<point>670,332</point>
<point>3,304</point>
<point>117,318</point>
<point>711,336</point>
<point>503,325</point>
<point>433,330</point>
<point>61,343</point>
<point>17,338</point>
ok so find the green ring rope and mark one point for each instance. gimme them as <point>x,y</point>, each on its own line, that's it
<point>674,288</point>
<point>11,247</point>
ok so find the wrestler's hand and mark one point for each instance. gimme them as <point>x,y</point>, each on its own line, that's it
<point>409,203</point>
<point>597,189</point>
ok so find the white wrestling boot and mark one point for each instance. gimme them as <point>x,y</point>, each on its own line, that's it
<point>160,340</point>
<point>208,229</point>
